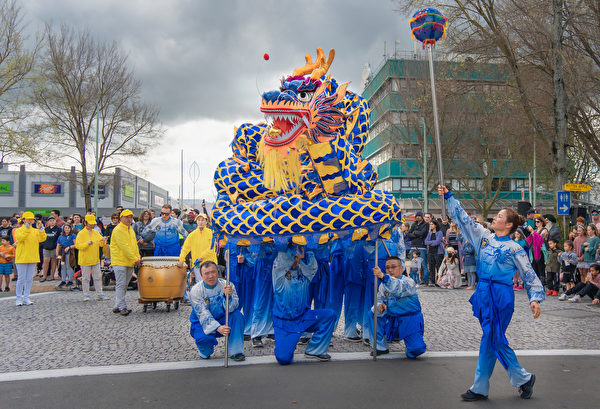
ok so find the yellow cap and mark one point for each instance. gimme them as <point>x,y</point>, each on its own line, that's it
<point>90,219</point>
<point>126,212</point>
<point>202,215</point>
<point>28,215</point>
<point>299,240</point>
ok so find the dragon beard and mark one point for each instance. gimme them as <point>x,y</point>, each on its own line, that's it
<point>281,165</point>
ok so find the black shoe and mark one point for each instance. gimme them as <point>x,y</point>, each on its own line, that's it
<point>61,285</point>
<point>385,351</point>
<point>271,336</point>
<point>353,339</point>
<point>69,284</point>
<point>257,342</point>
<point>7,289</point>
<point>304,340</point>
<point>125,312</point>
<point>238,357</point>
<point>116,310</point>
<point>470,396</point>
<point>246,337</point>
<point>322,357</point>
<point>526,389</point>
<point>367,342</point>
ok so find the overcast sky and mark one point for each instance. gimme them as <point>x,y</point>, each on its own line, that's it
<point>201,61</point>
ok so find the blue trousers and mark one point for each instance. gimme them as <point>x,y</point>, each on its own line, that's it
<point>318,287</point>
<point>408,328</point>
<point>335,290</point>
<point>262,316</point>
<point>354,295</point>
<point>171,250</point>
<point>247,301</point>
<point>287,333</point>
<point>206,342</point>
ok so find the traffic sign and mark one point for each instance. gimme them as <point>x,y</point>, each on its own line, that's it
<point>577,187</point>
<point>563,203</point>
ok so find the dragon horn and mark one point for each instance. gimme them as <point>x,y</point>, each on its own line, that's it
<point>309,66</point>
<point>323,66</point>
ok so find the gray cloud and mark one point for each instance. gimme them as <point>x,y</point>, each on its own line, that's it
<point>204,59</point>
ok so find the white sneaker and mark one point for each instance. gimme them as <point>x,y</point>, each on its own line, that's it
<point>19,303</point>
<point>86,298</point>
<point>27,302</point>
<point>577,298</point>
<point>563,297</point>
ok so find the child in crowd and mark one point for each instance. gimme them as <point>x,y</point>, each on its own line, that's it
<point>589,287</point>
<point>552,268</point>
<point>568,261</point>
<point>416,267</point>
<point>469,259</point>
<point>7,254</point>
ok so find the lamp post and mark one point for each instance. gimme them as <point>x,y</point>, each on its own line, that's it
<point>194,175</point>
<point>97,160</point>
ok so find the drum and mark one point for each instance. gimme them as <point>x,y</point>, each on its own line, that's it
<point>159,278</point>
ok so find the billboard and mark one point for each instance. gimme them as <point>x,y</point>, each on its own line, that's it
<point>47,189</point>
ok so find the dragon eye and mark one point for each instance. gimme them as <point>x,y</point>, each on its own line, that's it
<point>305,96</point>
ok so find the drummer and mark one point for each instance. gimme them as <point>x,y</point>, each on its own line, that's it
<point>208,314</point>
<point>199,243</point>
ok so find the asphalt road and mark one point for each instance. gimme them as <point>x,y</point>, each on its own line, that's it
<point>562,382</point>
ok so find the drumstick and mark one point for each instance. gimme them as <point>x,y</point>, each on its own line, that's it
<point>227,310</point>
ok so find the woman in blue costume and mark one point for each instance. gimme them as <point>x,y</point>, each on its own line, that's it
<point>243,258</point>
<point>354,288</point>
<point>262,317</point>
<point>335,288</point>
<point>498,258</point>
<point>317,290</point>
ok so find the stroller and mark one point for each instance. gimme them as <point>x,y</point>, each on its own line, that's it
<point>108,275</point>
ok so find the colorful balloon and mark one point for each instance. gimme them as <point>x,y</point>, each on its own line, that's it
<point>266,57</point>
<point>428,26</point>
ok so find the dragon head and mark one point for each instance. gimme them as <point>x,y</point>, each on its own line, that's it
<point>302,111</point>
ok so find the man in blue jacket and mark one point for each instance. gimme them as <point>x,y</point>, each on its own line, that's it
<point>166,231</point>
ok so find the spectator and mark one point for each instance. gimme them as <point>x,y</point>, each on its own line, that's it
<point>519,237</point>
<point>6,230</point>
<point>451,236</point>
<point>7,255</point>
<point>417,234</point>
<point>65,249</point>
<point>552,267</point>
<point>578,241</point>
<point>189,224</point>
<point>77,223</point>
<point>590,246</point>
<point>552,227</point>
<point>175,213</point>
<point>469,257</point>
<point>152,213</point>
<point>114,220</point>
<point>56,214</point>
<point>535,241</point>
<point>596,219</point>
<point>405,227</point>
<point>530,222</point>
<point>589,287</point>
<point>125,256</point>
<point>88,242</point>
<point>568,263</point>
<point>27,255</point>
<point>49,250</point>
<point>145,244</point>
<point>435,250</point>
<point>449,272</point>
<point>416,267</point>
<point>118,209</point>
<point>444,226</point>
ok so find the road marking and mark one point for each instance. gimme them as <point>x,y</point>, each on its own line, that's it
<point>13,297</point>
<point>259,360</point>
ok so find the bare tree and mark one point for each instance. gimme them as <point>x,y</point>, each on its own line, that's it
<point>16,63</point>
<point>84,83</point>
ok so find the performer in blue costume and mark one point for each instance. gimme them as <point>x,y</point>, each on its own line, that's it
<point>354,288</point>
<point>320,283</point>
<point>498,258</point>
<point>243,258</point>
<point>399,310</point>
<point>262,316</point>
<point>166,231</point>
<point>207,318</point>
<point>293,270</point>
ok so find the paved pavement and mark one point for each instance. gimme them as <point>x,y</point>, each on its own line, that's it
<point>398,383</point>
<point>61,331</point>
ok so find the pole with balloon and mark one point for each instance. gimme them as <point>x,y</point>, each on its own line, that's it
<point>428,26</point>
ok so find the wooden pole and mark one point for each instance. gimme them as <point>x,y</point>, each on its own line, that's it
<point>228,269</point>
<point>375,303</point>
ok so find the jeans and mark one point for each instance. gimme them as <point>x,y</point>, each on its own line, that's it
<point>424,264</point>
<point>583,289</point>
<point>122,277</point>
<point>66,272</point>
